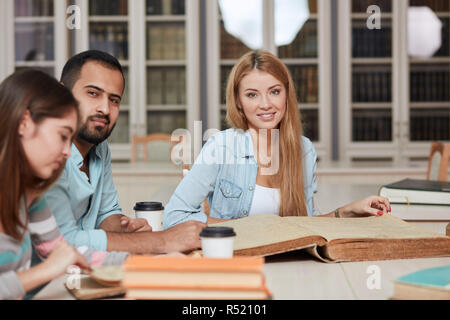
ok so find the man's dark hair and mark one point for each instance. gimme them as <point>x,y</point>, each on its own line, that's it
<point>73,66</point>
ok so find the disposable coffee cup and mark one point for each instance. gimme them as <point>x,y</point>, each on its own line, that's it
<point>217,242</point>
<point>152,212</point>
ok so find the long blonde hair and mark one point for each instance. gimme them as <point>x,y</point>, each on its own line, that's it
<point>290,173</point>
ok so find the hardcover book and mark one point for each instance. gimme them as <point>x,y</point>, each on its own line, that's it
<point>336,240</point>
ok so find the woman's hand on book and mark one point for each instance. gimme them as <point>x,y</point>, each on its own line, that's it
<point>370,206</point>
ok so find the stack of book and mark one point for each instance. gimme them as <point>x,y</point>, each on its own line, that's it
<point>152,277</point>
<point>426,284</point>
<point>419,200</point>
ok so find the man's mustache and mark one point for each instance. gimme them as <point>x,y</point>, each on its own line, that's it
<point>99,116</point>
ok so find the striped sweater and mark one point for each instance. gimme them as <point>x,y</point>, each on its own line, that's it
<point>43,234</point>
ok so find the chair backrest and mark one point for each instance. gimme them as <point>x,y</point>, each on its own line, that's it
<point>438,162</point>
<point>185,169</point>
<point>145,140</point>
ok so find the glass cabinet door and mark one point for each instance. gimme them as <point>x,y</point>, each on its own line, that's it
<point>372,52</point>
<point>166,65</point>
<point>34,35</point>
<point>429,83</point>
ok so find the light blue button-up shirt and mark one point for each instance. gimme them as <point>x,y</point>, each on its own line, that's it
<point>80,204</point>
<point>225,172</point>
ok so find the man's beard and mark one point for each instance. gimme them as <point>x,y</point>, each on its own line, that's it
<point>95,136</point>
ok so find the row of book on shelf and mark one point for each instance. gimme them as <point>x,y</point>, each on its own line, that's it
<point>430,124</point>
<point>34,42</point>
<point>166,85</point>
<point>435,5</point>
<point>166,7</point>
<point>425,124</point>
<point>372,125</point>
<point>108,7</point>
<point>110,37</point>
<point>306,81</point>
<point>304,45</point>
<point>367,43</point>
<point>371,86</point>
<point>310,123</point>
<point>432,85</point>
<point>230,47</point>
<point>362,5</point>
<point>27,8</point>
<point>166,41</point>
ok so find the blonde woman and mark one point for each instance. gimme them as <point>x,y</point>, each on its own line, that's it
<point>262,164</point>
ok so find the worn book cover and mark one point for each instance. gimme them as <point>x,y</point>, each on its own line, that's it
<point>335,240</point>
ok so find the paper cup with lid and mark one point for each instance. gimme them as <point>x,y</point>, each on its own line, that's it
<point>152,212</point>
<point>217,242</point>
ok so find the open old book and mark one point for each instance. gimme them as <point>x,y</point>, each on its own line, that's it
<point>335,240</point>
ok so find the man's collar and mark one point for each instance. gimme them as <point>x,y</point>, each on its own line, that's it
<point>78,158</point>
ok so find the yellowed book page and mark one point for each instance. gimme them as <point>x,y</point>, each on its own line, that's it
<point>264,229</point>
<point>385,227</point>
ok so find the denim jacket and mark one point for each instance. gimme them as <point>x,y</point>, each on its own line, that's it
<point>225,173</point>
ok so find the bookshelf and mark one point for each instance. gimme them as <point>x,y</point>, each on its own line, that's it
<point>391,106</point>
<point>427,116</point>
<point>156,42</point>
<point>37,39</point>
<point>308,58</point>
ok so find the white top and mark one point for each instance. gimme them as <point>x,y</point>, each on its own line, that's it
<point>265,200</point>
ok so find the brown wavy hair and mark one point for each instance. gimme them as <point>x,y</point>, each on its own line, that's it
<point>290,173</point>
<point>44,97</point>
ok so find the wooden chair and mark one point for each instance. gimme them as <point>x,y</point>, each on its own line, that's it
<point>185,169</point>
<point>144,140</point>
<point>438,162</point>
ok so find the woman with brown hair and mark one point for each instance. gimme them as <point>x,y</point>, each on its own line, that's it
<point>262,164</point>
<point>38,120</point>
